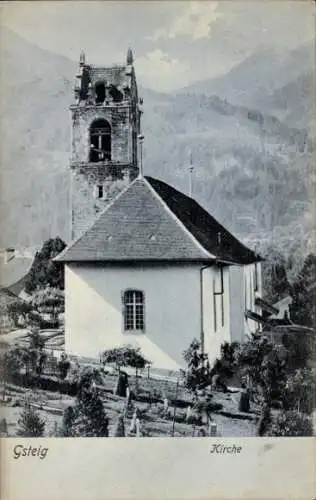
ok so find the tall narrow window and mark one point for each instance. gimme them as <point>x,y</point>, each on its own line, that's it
<point>218,290</point>
<point>116,94</point>
<point>256,276</point>
<point>100,141</point>
<point>214,307</point>
<point>100,191</point>
<point>134,310</point>
<point>99,92</point>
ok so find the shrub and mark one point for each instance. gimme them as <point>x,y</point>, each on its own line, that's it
<point>300,390</point>
<point>264,367</point>
<point>302,308</point>
<point>13,362</point>
<point>226,365</point>
<point>120,427</point>
<point>207,406</point>
<point>67,428</point>
<point>30,424</point>
<point>28,359</point>
<point>292,423</point>
<point>125,356</point>
<point>87,378</point>
<point>3,428</point>
<point>299,348</point>
<point>18,308</point>
<point>197,374</point>
<point>228,353</point>
<point>49,301</point>
<point>19,359</point>
<point>44,382</point>
<point>63,366</point>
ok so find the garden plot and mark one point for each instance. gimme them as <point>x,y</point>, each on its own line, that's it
<point>154,420</point>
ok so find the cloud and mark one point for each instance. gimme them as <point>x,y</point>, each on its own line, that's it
<point>160,71</point>
<point>194,21</point>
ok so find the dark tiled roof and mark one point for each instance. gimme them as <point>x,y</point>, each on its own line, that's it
<point>210,234</point>
<point>150,220</point>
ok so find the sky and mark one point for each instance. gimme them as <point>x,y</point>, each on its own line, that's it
<point>175,43</point>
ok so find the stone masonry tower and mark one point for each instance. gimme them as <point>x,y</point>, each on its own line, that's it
<point>105,129</point>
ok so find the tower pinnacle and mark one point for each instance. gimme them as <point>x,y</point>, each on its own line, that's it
<point>129,57</point>
<point>82,59</point>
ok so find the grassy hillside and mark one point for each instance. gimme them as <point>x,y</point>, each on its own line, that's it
<point>251,170</point>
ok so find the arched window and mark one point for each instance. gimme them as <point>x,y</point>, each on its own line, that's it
<point>99,92</point>
<point>116,94</point>
<point>134,310</point>
<point>100,141</point>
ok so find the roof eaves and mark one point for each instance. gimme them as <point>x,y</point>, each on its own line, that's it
<point>200,260</point>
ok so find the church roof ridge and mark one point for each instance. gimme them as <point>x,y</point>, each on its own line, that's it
<point>178,221</point>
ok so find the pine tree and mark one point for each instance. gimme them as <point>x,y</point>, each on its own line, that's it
<point>3,428</point>
<point>30,424</point>
<point>91,413</point>
<point>44,271</point>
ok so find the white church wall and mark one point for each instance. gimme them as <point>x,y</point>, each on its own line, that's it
<point>94,319</point>
<point>237,303</point>
<point>94,310</point>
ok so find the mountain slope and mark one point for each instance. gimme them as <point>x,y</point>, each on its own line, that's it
<point>265,74</point>
<point>293,102</point>
<point>35,87</point>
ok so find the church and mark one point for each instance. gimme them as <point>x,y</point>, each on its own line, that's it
<point>146,265</point>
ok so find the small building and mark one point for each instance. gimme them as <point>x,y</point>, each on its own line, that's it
<point>282,312</point>
<point>147,265</point>
<point>15,265</point>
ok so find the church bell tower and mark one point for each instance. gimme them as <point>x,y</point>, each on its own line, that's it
<point>105,129</point>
